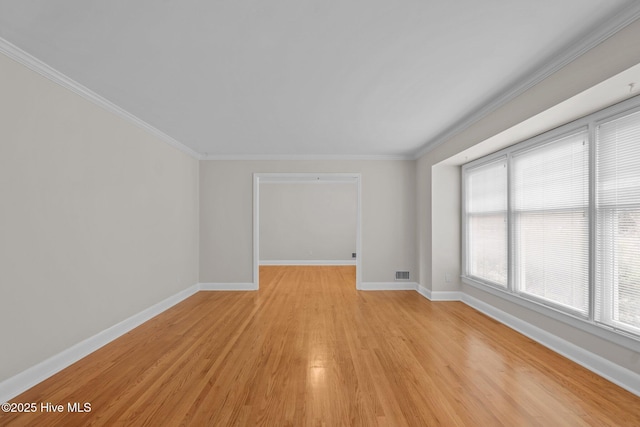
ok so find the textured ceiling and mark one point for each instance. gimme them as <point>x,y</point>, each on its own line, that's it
<point>300,77</point>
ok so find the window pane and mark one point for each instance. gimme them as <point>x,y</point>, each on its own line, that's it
<point>488,247</point>
<point>553,176</point>
<point>552,261</point>
<point>486,222</point>
<point>551,226</point>
<point>618,268</point>
<point>618,223</point>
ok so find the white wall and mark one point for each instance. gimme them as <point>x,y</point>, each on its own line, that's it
<point>308,221</point>
<point>98,219</point>
<point>439,212</point>
<point>226,215</point>
<point>446,236</point>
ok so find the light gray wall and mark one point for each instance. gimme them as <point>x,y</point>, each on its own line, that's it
<point>438,213</point>
<point>98,219</point>
<point>446,236</point>
<point>226,215</point>
<point>308,221</point>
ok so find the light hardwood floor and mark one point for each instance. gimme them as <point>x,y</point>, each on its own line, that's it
<point>308,349</point>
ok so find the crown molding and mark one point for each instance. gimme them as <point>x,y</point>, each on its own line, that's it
<point>248,157</point>
<point>611,26</point>
<point>598,35</point>
<point>34,64</point>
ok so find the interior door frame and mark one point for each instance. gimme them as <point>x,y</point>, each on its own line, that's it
<point>287,178</point>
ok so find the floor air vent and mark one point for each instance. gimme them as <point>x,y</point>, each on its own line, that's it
<point>402,275</point>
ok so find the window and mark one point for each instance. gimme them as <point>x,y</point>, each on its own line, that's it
<point>550,194</point>
<point>555,220</point>
<point>486,209</point>
<point>618,222</point>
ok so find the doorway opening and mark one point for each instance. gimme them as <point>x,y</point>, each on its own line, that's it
<point>305,178</point>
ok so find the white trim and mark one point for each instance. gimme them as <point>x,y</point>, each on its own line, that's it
<point>623,377</point>
<point>227,287</point>
<point>625,17</point>
<point>251,157</point>
<point>388,286</point>
<point>308,262</point>
<point>256,229</point>
<point>617,374</point>
<point>561,316</point>
<point>307,178</point>
<point>322,177</point>
<point>439,295</point>
<point>425,292</point>
<point>446,296</point>
<point>57,77</point>
<point>23,381</point>
<point>359,233</point>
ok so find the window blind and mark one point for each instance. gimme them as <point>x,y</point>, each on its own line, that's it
<point>550,197</point>
<point>618,223</point>
<point>486,220</point>
<point>555,220</point>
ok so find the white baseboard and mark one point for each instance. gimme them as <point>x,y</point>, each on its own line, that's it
<point>619,375</point>
<point>23,381</point>
<point>446,296</point>
<point>308,262</point>
<point>439,295</point>
<point>424,292</point>
<point>227,287</point>
<point>388,286</point>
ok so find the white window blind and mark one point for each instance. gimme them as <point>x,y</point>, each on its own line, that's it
<point>555,221</point>
<point>486,222</point>
<point>550,198</point>
<point>618,223</point>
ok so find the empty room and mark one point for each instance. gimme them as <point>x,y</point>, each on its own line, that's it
<point>293,213</point>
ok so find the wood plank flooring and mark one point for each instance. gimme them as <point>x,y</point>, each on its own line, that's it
<point>308,349</point>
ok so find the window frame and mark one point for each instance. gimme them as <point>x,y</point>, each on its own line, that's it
<point>513,215</point>
<point>613,324</point>
<point>589,323</point>
<point>465,231</point>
